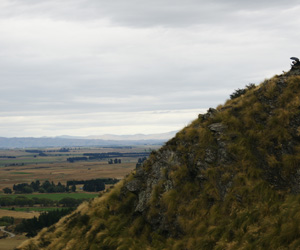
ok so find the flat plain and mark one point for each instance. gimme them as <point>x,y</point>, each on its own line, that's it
<point>53,166</point>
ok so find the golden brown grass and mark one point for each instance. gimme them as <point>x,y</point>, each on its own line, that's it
<point>18,214</point>
<point>11,243</point>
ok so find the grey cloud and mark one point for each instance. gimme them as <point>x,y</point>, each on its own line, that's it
<point>142,13</point>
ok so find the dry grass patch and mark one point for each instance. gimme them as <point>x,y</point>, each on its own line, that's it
<point>17,214</point>
<point>12,243</point>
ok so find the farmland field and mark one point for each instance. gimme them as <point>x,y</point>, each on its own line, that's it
<point>18,214</point>
<point>52,165</point>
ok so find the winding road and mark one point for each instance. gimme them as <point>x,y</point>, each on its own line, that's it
<point>11,235</point>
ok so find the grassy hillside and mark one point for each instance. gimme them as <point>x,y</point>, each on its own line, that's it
<point>229,180</point>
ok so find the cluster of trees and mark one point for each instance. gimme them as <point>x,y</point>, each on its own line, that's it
<point>115,161</point>
<point>73,159</point>
<point>22,201</point>
<point>59,150</point>
<point>6,221</point>
<point>104,180</point>
<point>93,185</point>
<point>34,151</point>
<point>64,150</point>
<point>7,190</point>
<point>114,154</point>
<point>140,161</point>
<point>15,164</point>
<point>46,187</point>
<point>100,156</point>
<point>46,219</point>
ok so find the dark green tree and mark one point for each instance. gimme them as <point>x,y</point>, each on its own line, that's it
<point>7,190</point>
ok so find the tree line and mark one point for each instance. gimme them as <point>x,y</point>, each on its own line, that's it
<point>22,201</point>
<point>115,161</point>
<point>115,154</point>
<point>106,181</point>
<point>6,221</point>
<point>46,219</point>
<point>36,186</point>
<point>94,185</point>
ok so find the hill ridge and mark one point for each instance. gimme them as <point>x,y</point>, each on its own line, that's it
<point>229,180</point>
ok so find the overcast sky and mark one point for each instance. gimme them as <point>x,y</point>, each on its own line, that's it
<point>91,67</point>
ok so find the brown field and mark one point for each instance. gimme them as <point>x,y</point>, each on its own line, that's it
<point>18,214</point>
<point>63,172</point>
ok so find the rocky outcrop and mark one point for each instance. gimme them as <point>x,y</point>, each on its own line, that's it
<point>152,177</point>
<point>147,179</point>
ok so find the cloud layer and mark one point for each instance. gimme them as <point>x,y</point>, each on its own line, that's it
<point>63,62</point>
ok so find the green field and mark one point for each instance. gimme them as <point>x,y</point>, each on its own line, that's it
<point>55,196</point>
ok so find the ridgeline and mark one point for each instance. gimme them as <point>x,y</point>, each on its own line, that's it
<point>229,180</point>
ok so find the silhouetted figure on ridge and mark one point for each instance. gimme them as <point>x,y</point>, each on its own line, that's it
<point>295,62</point>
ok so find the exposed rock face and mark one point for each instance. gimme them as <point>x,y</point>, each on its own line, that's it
<point>165,160</point>
<point>217,127</point>
<point>216,154</point>
<point>153,177</point>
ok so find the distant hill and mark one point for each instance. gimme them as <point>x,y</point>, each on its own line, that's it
<point>70,141</point>
<point>229,180</point>
<point>136,137</point>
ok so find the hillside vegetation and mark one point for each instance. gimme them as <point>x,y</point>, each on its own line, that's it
<point>229,180</point>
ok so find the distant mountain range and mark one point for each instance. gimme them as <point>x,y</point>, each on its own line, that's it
<point>93,140</point>
<point>136,137</point>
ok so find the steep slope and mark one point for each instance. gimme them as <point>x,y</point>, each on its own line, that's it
<point>229,180</point>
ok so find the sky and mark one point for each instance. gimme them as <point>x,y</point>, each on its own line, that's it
<point>93,67</point>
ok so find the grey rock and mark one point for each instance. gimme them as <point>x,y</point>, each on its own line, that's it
<point>217,127</point>
<point>133,186</point>
<point>210,156</point>
<point>210,114</point>
<point>143,200</point>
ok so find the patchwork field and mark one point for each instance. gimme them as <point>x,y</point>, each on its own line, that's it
<point>52,165</point>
